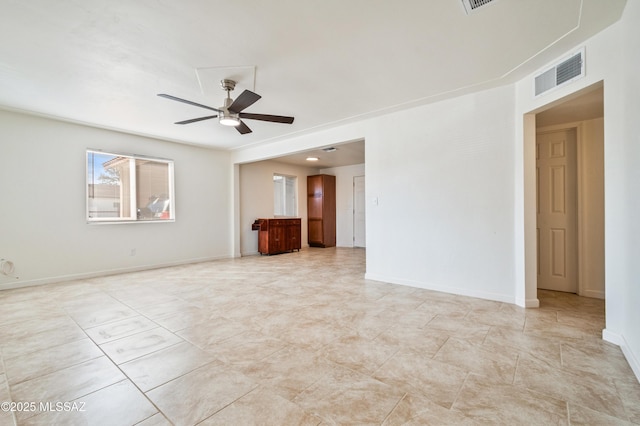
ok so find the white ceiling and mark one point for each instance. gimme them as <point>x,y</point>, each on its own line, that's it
<point>324,62</point>
<point>584,105</point>
<point>345,154</point>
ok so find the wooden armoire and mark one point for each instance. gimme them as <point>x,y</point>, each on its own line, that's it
<point>321,210</point>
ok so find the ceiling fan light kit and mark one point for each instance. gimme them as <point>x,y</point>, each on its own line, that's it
<point>229,119</point>
<point>230,114</point>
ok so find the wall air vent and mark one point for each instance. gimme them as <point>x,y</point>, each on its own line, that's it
<point>473,5</point>
<point>564,72</point>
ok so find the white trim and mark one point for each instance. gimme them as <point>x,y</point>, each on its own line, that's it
<point>596,294</point>
<point>619,340</point>
<point>132,215</point>
<point>444,289</point>
<point>353,205</point>
<point>104,273</point>
<point>133,179</point>
<point>528,303</point>
<point>581,209</point>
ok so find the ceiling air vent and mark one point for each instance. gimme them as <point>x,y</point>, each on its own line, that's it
<point>472,5</point>
<point>564,72</point>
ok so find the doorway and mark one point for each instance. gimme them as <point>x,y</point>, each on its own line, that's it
<point>359,213</point>
<point>569,187</point>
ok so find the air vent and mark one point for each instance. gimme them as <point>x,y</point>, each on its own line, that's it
<point>473,5</point>
<point>564,72</point>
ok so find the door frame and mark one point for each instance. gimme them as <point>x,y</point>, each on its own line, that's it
<point>354,211</point>
<point>526,260</point>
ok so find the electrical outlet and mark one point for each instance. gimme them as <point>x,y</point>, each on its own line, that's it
<point>6,267</point>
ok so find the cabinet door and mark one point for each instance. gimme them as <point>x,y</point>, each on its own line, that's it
<point>263,237</point>
<point>315,231</point>
<point>293,236</point>
<point>276,239</point>
<point>314,196</point>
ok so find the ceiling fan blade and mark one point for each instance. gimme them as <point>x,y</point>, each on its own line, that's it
<point>246,99</point>
<point>243,128</point>
<point>173,98</point>
<point>267,117</point>
<point>193,120</point>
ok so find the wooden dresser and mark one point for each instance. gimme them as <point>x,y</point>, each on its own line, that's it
<point>278,235</point>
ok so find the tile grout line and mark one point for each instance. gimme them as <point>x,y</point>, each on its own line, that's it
<point>123,373</point>
<point>394,408</point>
<point>8,388</point>
<point>464,382</point>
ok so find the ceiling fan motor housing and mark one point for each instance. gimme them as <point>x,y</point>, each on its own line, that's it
<point>227,85</point>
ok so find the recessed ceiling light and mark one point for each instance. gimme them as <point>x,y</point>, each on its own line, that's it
<point>312,158</point>
<point>329,149</point>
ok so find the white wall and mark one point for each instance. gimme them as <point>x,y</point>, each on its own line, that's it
<point>43,229</point>
<point>612,57</point>
<point>442,175</point>
<point>622,193</point>
<point>344,201</point>
<point>256,198</point>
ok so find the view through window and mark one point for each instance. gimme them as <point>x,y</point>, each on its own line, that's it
<point>125,188</point>
<point>284,196</point>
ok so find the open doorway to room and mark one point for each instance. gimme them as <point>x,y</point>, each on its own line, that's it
<point>359,212</point>
<point>570,194</point>
<point>345,160</point>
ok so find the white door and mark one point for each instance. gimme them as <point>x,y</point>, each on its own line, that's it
<point>557,210</point>
<point>359,239</point>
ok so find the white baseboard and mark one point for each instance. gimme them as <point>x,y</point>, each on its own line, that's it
<point>596,294</point>
<point>528,303</point>
<point>103,273</point>
<point>444,289</point>
<point>618,339</point>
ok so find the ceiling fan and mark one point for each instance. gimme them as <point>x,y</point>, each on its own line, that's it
<point>230,114</point>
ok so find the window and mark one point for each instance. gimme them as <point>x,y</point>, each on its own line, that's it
<point>284,196</point>
<point>124,188</point>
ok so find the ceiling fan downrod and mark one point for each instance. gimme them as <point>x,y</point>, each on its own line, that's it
<point>226,117</point>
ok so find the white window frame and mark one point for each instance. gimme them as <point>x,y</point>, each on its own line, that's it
<point>283,197</point>
<point>134,208</point>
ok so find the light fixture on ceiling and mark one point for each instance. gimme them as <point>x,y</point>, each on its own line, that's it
<point>229,120</point>
<point>231,113</point>
<point>226,117</point>
<point>329,149</point>
<point>312,158</point>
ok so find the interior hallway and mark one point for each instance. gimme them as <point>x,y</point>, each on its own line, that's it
<point>302,338</point>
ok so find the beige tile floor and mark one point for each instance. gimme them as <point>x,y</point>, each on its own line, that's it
<point>302,339</point>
